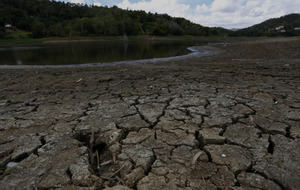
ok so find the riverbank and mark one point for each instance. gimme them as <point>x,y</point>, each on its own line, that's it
<point>225,121</point>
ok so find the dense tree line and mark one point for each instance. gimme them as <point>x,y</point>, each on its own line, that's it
<point>46,18</point>
<point>268,28</point>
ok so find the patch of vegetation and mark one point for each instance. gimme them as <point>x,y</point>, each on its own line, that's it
<point>46,18</point>
<point>17,34</point>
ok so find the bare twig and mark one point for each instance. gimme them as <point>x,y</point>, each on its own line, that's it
<point>117,171</point>
<point>195,158</point>
<point>106,163</point>
<point>98,160</point>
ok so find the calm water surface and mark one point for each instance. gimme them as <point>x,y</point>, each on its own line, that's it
<point>91,52</point>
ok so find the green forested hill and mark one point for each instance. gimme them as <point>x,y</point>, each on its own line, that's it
<point>268,28</point>
<point>45,18</point>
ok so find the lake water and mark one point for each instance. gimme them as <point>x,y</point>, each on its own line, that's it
<point>92,52</point>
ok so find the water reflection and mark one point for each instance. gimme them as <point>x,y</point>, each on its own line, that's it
<point>91,52</point>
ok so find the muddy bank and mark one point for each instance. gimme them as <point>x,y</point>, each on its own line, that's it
<point>225,121</point>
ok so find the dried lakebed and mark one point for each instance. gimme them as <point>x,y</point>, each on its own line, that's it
<point>226,121</point>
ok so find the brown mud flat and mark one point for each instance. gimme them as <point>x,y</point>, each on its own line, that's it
<point>226,121</point>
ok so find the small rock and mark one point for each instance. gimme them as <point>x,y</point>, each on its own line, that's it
<point>11,164</point>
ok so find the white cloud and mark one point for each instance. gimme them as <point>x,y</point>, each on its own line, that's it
<point>97,4</point>
<point>171,7</point>
<point>78,1</point>
<point>90,2</point>
<point>202,8</point>
<point>226,13</point>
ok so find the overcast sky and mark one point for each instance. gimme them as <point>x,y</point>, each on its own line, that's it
<point>225,13</point>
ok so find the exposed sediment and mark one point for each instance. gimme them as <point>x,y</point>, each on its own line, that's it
<point>227,121</point>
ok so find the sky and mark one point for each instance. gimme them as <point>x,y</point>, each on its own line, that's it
<point>214,13</point>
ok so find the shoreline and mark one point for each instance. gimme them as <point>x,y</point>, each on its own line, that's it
<point>195,51</point>
<point>41,41</point>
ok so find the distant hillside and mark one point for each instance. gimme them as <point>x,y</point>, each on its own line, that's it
<point>47,18</point>
<point>288,25</point>
<point>222,31</point>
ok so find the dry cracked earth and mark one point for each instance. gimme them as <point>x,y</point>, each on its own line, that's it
<point>227,121</point>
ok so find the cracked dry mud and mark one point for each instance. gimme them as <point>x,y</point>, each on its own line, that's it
<point>228,121</point>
